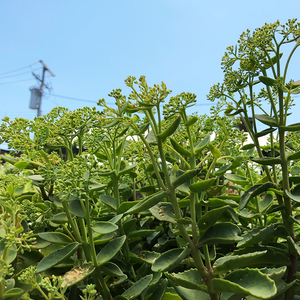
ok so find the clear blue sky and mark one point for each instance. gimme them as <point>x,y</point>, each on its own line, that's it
<point>92,46</point>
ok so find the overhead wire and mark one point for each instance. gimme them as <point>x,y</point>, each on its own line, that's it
<point>8,82</point>
<point>110,103</point>
<point>19,69</point>
<point>1,77</point>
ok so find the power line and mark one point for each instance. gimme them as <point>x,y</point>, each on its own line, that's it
<point>18,69</point>
<point>71,98</point>
<point>110,103</point>
<point>16,81</point>
<point>19,74</point>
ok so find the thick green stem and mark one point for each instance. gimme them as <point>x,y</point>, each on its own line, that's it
<point>256,198</point>
<point>126,249</point>
<point>160,181</point>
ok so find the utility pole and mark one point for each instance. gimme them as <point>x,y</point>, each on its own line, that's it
<point>45,68</point>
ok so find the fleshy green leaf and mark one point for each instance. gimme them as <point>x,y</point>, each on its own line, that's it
<point>215,152</point>
<point>169,259</point>
<point>76,209</point>
<point>247,281</point>
<point>254,191</point>
<point>77,274</point>
<point>55,237</point>
<point>145,257</point>
<point>36,177</point>
<point>190,279</point>
<point>147,203</point>
<point>221,233</point>
<point>211,217</point>
<point>127,205</point>
<point>266,120</point>
<point>189,294</point>
<point>138,287</point>
<point>199,146</point>
<point>267,80</point>
<point>231,262</point>
<point>202,186</point>
<point>127,169</point>
<point>110,250</point>
<point>294,156</point>
<point>13,293</point>
<point>294,248</point>
<point>256,235</point>
<point>293,197</point>
<point>237,179</point>
<point>104,227</point>
<point>164,212</point>
<point>215,202</point>
<point>56,257</point>
<point>264,132</point>
<point>292,127</point>
<point>267,161</point>
<point>159,293</point>
<point>112,269</point>
<point>60,218</point>
<point>139,233</point>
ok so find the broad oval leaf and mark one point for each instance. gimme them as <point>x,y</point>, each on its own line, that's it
<point>164,212</point>
<point>56,257</point>
<point>267,80</point>
<point>76,209</point>
<point>293,197</point>
<point>77,274</point>
<point>36,177</point>
<point>201,145</point>
<point>14,293</point>
<point>202,186</point>
<point>266,120</point>
<point>231,262</point>
<point>138,287</point>
<point>254,191</point>
<point>127,169</point>
<point>215,152</point>
<point>247,147</point>
<point>211,217</point>
<point>191,294</point>
<point>221,233</point>
<point>216,202</point>
<point>147,203</point>
<point>264,132</point>
<point>190,279</point>
<point>55,237</point>
<point>104,227</point>
<point>60,218</point>
<point>97,186</point>
<point>293,247</point>
<point>145,257</point>
<point>139,233</point>
<point>237,179</point>
<point>186,176</point>
<point>159,293</point>
<point>112,269</point>
<point>109,201</point>
<point>256,235</point>
<point>169,259</point>
<point>267,161</point>
<point>127,205</point>
<point>292,127</point>
<point>247,281</point>
<point>110,250</point>
<point>294,156</point>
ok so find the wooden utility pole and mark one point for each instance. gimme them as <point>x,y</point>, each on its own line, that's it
<point>45,68</point>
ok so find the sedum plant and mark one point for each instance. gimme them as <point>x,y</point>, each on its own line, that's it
<point>141,202</point>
